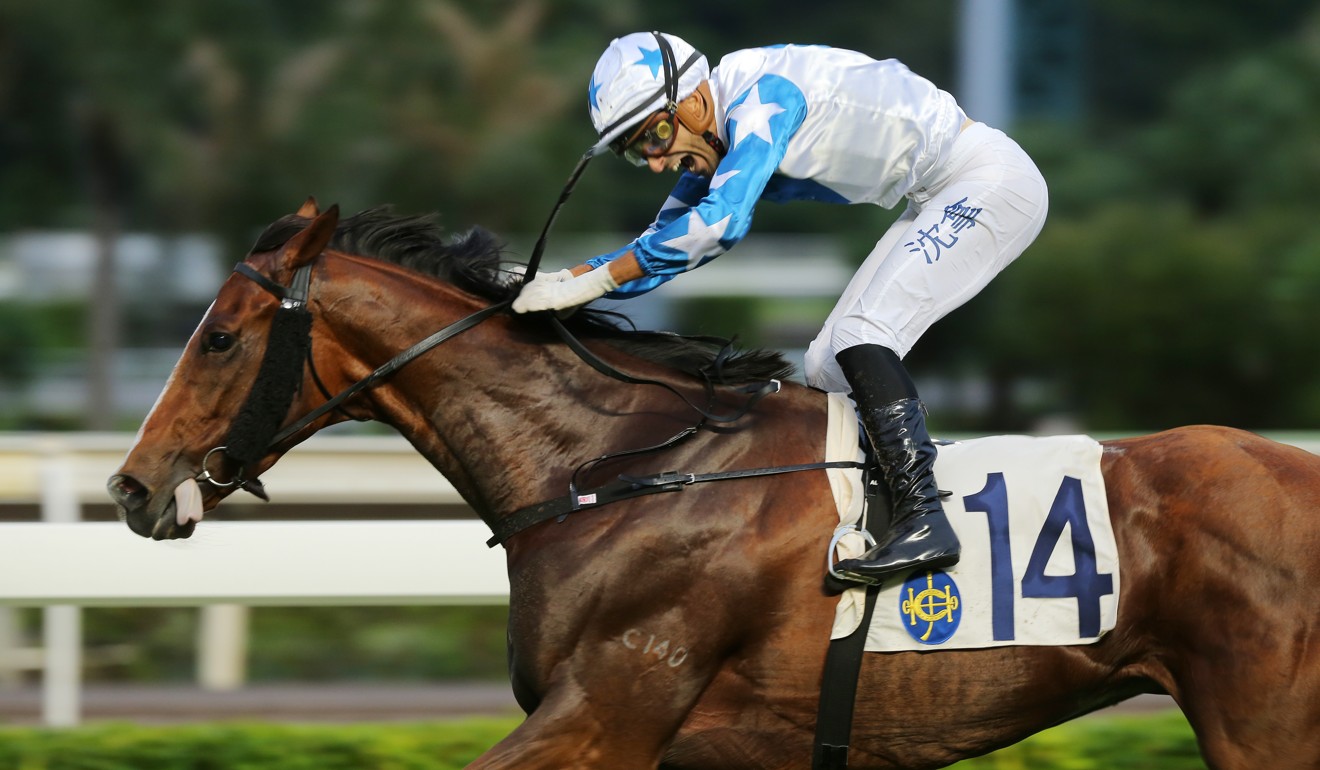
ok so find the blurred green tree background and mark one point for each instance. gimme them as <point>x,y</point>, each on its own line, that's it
<point>1172,283</point>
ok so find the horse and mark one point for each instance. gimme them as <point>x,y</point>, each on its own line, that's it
<point>689,630</point>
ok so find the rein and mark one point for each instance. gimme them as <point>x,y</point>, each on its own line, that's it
<point>756,391</point>
<point>390,367</point>
<point>257,430</point>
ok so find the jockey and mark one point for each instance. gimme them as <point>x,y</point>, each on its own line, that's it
<point>788,123</point>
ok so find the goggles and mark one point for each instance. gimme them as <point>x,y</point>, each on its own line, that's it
<point>653,140</point>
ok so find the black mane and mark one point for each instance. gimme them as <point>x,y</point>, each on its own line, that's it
<point>475,262</point>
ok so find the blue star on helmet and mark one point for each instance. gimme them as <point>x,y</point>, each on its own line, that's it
<point>651,58</point>
<point>592,90</point>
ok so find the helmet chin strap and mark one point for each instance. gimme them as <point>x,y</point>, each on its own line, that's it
<point>701,123</point>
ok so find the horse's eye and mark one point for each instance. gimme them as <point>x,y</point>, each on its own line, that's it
<point>217,342</point>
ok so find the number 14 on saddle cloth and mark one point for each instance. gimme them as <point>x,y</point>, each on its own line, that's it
<point>1039,562</point>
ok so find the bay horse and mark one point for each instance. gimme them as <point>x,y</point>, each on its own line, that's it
<point>1218,529</point>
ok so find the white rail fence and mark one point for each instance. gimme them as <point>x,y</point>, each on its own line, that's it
<point>63,564</point>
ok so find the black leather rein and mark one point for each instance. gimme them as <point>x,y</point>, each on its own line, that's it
<point>256,430</point>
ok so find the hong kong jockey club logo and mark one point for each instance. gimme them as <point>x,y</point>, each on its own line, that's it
<point>931,606</point>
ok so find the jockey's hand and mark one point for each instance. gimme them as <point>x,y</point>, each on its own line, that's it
<point>558,275</point>
<point>556,292</point>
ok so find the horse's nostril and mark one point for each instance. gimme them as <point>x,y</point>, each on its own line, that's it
<point>126,490</point>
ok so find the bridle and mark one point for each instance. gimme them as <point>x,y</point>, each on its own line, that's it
<point>257,429</point>
<point>249,440</point>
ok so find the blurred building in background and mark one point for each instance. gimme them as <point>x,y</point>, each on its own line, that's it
<point>165,282</point>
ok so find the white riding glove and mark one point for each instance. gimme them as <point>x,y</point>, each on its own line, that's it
<point>554,292</point>
<point>558,275</point>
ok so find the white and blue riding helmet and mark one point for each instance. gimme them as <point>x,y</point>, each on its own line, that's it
<point>637,75</point>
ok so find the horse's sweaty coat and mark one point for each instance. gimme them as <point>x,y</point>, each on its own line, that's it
<point>687,631</point>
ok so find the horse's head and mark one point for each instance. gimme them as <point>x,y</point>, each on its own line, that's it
<point>240,375</point>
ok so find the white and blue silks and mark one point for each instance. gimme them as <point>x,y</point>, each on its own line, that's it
<point>801,123</point>
<point>827,124</point>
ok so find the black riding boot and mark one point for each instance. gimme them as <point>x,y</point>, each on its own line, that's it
<point>919,534</point>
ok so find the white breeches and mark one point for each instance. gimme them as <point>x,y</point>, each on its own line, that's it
<point>973,216</point>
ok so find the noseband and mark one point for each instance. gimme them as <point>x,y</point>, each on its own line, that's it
<point>280,377</point>
<point>278,380</point>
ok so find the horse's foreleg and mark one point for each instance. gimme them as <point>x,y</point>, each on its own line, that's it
<point>616,704</point>
<point>573,731</point>
<point>562,737</point>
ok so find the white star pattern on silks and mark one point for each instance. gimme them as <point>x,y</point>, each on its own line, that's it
<point>717,181</point>
<point>702,240</point>
<point>672,203</point>
<point>753,117</point>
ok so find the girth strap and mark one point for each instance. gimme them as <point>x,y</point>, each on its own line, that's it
<point>627,487</point>
<point>838,693</point>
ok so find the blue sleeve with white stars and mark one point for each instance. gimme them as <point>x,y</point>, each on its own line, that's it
<point>690,189</point>
<point>704,218</point>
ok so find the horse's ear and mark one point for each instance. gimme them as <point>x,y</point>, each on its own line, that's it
<point>303,247</point>
<point>309,208</point>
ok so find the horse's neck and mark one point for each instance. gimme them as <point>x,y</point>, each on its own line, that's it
<point>512,422</point>
<point>512,427</point>
<point>506,419</point>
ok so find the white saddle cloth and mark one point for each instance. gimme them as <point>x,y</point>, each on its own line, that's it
<point>1039,562</point>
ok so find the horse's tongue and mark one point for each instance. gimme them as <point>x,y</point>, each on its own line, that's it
<point>187,502</point>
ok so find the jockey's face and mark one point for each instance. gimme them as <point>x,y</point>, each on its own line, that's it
<point>687,152</point>
<point>651,139</point>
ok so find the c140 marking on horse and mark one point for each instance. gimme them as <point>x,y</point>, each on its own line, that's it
<point>674,656</point>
